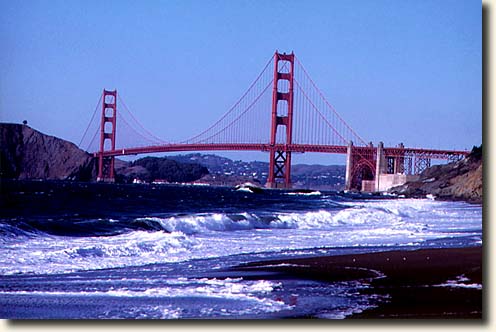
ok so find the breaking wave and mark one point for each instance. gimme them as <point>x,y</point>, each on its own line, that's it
<point>35,248</point>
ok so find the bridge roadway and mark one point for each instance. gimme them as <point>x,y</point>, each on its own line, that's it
<point>301,148</point>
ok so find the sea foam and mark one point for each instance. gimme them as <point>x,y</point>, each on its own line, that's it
<point>208,235</point>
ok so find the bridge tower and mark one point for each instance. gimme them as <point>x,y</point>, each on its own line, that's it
<point>107,136</point>
<point>282,115</point>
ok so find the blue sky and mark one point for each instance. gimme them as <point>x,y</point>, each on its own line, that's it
<point>397,71</point>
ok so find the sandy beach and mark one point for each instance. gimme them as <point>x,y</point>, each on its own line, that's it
<point>425,284</point>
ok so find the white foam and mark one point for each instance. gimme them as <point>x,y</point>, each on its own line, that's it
<point>311,193</point>
<point>409,214</point>
<point>256,292</point>
<point>362,223</point>
<point>65,254</point>
<point>245,189</point>
<point>456,285</point>
<point>320,219</point>
<point>200,223</point>
<point>144,312</point>
<point>342,313</point>
<point>460,282</point>
<point>232,288</point>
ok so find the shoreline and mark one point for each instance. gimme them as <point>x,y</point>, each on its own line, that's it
<point>382,195</point>
<point>441,283</point>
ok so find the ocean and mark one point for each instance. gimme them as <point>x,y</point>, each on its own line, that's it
<point>110,251</point>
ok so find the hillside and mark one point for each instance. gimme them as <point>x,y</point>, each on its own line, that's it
<point>169,170</point>
<point>461,180</point>
<point>26,153</point>
<point>224,171</point>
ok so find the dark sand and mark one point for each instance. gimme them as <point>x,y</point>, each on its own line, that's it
<point>410,278</point>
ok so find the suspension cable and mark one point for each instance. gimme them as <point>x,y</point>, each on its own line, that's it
<point>91,121</point>
<point>240,115</point>
<point>328,104</point>
<point>234,106</point>
<point>139,124</point>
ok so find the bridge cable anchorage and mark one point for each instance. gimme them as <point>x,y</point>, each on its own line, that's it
<point>327,103</point>
<point>91,121</point>
<point>192,139</point>
<point>156,138</point>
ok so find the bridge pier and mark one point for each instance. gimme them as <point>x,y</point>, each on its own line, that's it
<point>375,169</point>
<point>349,159</point>
<point>380,165</point>
<point>399,162</point>
<point>391,170</point>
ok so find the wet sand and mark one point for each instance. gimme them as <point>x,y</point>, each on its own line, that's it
<point>426,283</point>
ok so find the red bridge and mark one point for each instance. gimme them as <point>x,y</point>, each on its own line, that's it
<point>282,112</point>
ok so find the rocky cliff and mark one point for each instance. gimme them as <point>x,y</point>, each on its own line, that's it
<point>26,153</point>
<point>461,180</point>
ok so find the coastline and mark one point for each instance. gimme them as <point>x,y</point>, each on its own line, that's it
<point>441,283</point>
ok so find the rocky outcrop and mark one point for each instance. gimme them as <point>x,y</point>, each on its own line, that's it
<point>461,180</point>
<point>26,153</point>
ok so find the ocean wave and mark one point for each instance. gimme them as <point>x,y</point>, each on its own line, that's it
<point>182,237</point>
<point>68,254</point>
<point>319,220</point>
<point>246,297</point>
<point>305,193</point>
<point>73,227</point>
<point>394,214</point>
<point>231,288</point>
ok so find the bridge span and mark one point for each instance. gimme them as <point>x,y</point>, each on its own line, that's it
<point>399,164</point>
<point>283,112</point>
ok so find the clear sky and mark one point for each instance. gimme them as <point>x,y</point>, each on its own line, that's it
<point>397,71</point>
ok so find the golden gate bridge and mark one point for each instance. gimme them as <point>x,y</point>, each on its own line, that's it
<point>282,112</point>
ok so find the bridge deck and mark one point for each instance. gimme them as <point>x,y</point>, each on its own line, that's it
<point>301,148</point>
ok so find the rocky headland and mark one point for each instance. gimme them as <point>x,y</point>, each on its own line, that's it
<point>26,153</point>
<point>461,180</point>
